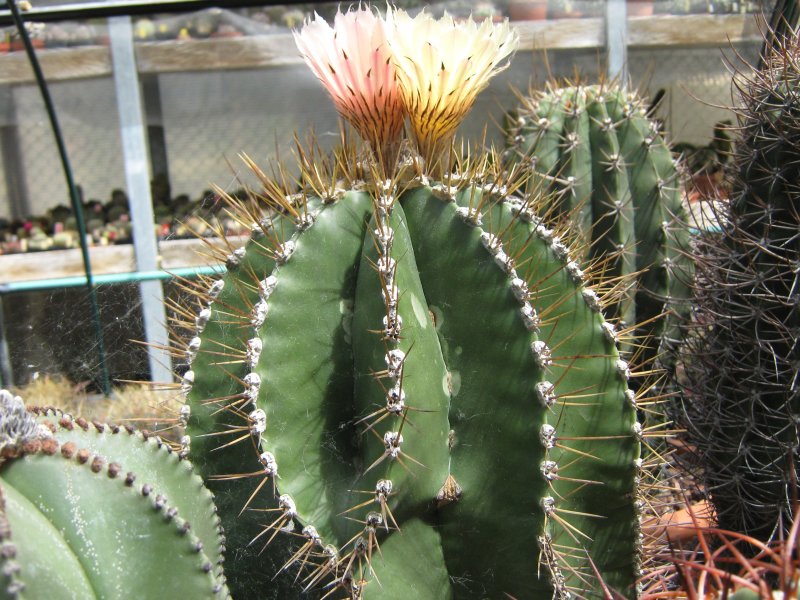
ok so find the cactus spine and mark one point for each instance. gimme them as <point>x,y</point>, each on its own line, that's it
<point>619,187</point>
<point>92,511</point>
<point>742,399</point>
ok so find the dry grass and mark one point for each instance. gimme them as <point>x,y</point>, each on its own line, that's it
<point>139,405</point>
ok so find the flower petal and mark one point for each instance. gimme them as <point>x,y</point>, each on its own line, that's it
<point>442,65</point>
<point>352,60</point>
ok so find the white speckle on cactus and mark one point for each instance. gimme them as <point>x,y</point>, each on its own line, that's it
<point>546,394</point>
<point>549,469</point>
<point>201,320</point>
<point>505,262</point>
<point>386,267</point>
<point>520,289</point>
<point>260,311</point>
<point>235,258</point>
<point>394,362</point>
<point>547,436</point>
<point>559,249</point>
<point>630,398</point>
<point>254,347</point>
<point>470,216</point>
<point>444,192</point>
<point>192,348</point>
<point>541,353</point>
<point>258,422</point>
<point>252,382</point>
<point>575,271</point>
<point>184,414</point>
<point>609,331</point>
<point>637,431</point>
<point>392,440</point>
<point>385,236</point>
<point>623,369</point>
<point>548,505</point>
<point>390,295</point>
<point>311,533</point>
<point>267,286</point>
<point>491,242</point>
<point>544,233</point>
<point>216,288</point>
<point>284,252</point>
<point>305,221</point>
<point>529,316</point>
<point>267,460</point>
<point>383,489</point>
<point>395,399</point>
<point>392,326</point>
<point>287,505</point>
<point>373,520</point>
<point>591,298</point>
<point>186,382</point>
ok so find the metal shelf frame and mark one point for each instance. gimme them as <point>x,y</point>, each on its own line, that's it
<point>613,32</point>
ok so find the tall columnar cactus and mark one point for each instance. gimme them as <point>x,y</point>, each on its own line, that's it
<point>93,511</point>
<point>409,376</point>
<point>742,396</point>
<point>618,186</point>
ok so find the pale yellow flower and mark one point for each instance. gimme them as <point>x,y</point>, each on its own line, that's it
<point>442,65</point>
<point>352,60</point>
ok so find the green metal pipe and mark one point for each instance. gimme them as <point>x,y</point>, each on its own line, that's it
<point>16,287</point>
<point>71,187</point>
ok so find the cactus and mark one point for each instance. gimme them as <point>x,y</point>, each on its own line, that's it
<point>413,387</point>
<point>403,366</point>
<point>91,511</point>
<point>619,187</point>
<point>741,390</point>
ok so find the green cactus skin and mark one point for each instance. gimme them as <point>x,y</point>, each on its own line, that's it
<point>742,401</point>
<point>619,187</point>
<point>94,511</point>
<point>402,376</point>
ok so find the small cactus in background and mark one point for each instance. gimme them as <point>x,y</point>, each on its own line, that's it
<point>404,371</point>
<point>742,400</point>
<point>618,185</point>
<point>95,511</point>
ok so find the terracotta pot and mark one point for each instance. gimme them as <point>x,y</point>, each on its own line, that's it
<point>639,8</point>
<point>680,525</point>
<point>530,10</point>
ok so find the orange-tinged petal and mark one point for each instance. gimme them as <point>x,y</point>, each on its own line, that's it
<point>442,65</point>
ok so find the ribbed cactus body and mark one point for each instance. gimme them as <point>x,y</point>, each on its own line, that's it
<point>436,403</point>
<point>618,186</point>
<point>100,512</point>
<point>742,366</point>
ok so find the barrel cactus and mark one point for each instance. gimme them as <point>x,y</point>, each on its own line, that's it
<point>742,396</point>
<point>94,511</point>
<point>619,187</point>
<point>403,372</point>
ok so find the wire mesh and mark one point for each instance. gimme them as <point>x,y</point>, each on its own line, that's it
<point>200,120</point>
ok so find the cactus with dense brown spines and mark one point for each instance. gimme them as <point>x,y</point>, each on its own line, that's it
<point>742,398</point>
<point>97,511</point>
<point>619,187</point>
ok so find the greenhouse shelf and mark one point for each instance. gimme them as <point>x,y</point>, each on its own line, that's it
<point>278,50</point>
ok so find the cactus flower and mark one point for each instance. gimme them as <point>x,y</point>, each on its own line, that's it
<point>353,62</point>
<point>442,65</point>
